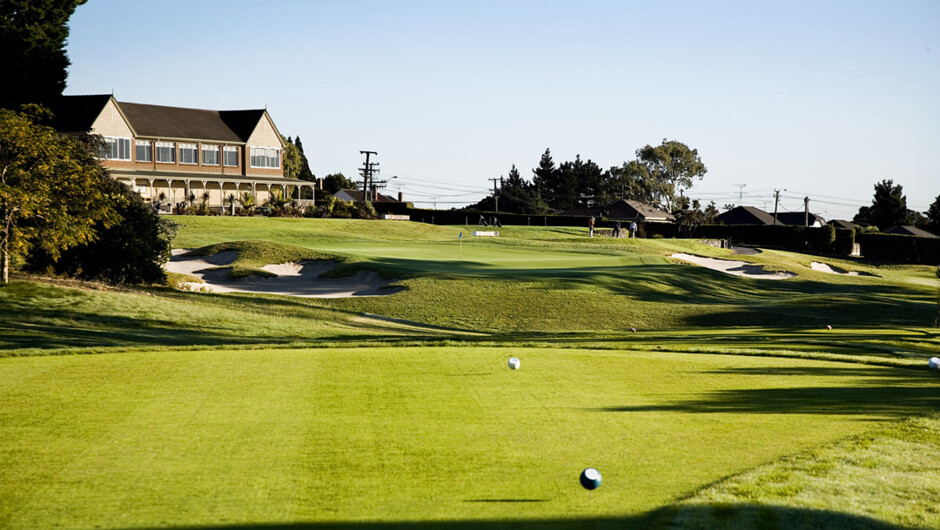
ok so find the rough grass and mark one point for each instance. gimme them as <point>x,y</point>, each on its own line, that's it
<point>887,474</point>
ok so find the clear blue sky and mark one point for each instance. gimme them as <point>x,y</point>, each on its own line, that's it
<point>821,98</point>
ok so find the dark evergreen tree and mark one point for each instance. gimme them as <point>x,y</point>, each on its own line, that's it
<point>304,172</point>
<point>888,207</point>
<point>33,35</point>
<point>933,217</point>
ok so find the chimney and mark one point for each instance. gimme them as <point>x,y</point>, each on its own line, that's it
<point>401,197</point>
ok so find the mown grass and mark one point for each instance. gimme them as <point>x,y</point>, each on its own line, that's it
<point>537,278</point>
<point>219,410</point>
<point>451,434</point>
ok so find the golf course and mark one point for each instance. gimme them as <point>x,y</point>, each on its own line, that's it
<point>383,399</point>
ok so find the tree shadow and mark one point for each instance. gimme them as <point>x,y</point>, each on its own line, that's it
<point>691,517</point>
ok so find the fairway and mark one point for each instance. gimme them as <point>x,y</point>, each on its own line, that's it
<point>409,434</point>
<point>732,401</point>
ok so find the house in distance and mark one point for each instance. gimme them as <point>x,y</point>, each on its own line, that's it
<point>170,153</point>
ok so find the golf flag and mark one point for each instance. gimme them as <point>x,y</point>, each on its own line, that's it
<point>460,236</point>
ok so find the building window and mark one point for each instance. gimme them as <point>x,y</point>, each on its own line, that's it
<point>231,156</point>
<point>166,152</point>
<point>266,157</point>
<point>210,155</point>
<point>116,148</point>
<point>144,151</point>
<point>188,154</point>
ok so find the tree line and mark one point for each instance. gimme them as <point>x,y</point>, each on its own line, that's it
<point>657,177</point>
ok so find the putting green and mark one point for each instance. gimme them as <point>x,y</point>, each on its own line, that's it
<point>409,434</point>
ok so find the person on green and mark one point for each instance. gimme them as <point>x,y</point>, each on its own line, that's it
<point>591,226</point>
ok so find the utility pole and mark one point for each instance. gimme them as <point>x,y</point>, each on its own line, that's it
<point>368,171</point>
<point>495,192</point>
<point>740,193</point>
<point>776,202</point>
<point>806,211</point>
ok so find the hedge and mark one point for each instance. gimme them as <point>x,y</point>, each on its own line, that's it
<point>896,247</point>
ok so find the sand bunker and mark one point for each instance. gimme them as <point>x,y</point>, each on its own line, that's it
<point>824,267</point>
<point>737,268</point>
<point>292,279</point>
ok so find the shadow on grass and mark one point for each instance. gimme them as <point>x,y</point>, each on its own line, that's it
<point>743,516</point>
<point>790,302</point>
<point>893,400</point>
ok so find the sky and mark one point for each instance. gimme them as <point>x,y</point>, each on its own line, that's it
<point>819,99</point>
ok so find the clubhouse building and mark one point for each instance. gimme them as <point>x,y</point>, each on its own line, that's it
<point>169,153</point>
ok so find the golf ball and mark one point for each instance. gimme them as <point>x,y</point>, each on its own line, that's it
<point>514,363</point>
<point>829,327</point>
<point>590,478</point>
<point>934,363</point>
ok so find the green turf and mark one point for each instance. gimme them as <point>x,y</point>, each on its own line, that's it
<point>731,405</point>
<point>539,279</point>
<point>409,434</point>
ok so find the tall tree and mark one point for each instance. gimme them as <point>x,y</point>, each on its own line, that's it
<point>542,174</point>
<point>33,35</point>
<point>304,172</point>
<point>291,158</point>
<point>670,165</point>
<point>52,190</point>
<point>933,217</point>
<point>888,207</point>
<point>631,181</point>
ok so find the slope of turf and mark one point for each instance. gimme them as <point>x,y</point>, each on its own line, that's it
<point>409,434</point>
<point>540,279</point>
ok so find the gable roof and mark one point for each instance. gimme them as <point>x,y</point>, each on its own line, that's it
<point>910,231</point>
<point>359,196</point>
<point>78,114</point>
<point>798,218</point>
<point>841,223</point>
<point>637,209</point>
<point>745,215</point>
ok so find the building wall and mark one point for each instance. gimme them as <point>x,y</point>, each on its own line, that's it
<point>264,135</point>
<point>111,123</point>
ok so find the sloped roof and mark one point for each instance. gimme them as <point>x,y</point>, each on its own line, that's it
<point>797,218</point>
<point>746,215</point>
<point>78,113</point>
<point>359,196</point>
<point>841,223</point>
<point>647,211</point>
<point>175,122</point>
<point>910,231</point>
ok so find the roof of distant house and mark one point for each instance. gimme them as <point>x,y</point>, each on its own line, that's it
<point>910,231</point>
<point>746,215</point>
<point>841,223</point>
<point>623,209</point>
<point>798,218</point>
<point>359,196</point>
